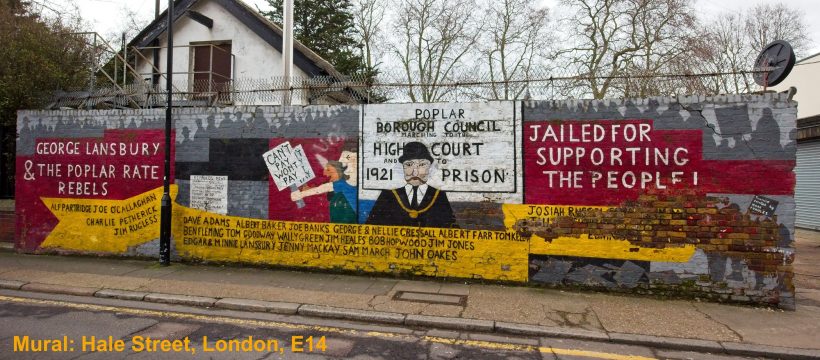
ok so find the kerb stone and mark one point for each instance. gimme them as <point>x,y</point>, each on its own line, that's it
<point>450,323</point>
<point>258,305</point>
<point>351,314</point>
<point>180,299</point>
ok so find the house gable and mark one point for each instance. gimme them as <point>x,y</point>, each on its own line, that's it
<point>303,58</point>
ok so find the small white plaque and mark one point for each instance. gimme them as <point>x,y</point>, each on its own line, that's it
<point>210,193</point>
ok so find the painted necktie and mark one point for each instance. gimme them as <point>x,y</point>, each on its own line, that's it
<point>414,203</point>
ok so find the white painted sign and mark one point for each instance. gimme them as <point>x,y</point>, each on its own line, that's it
<point>210,193</point>
<point>302,160</point>
<point>288,166</point>
<point>473,145</point>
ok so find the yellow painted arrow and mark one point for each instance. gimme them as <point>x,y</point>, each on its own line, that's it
<point>99,225</point>
<point>584,245</point>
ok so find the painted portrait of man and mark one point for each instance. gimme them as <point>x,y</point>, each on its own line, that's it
<point>416,203</point>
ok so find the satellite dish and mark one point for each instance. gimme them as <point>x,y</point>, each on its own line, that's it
<point>774,63</point>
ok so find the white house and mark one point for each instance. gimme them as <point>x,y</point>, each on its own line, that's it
<point>222,45</point>
<point>805,77</point>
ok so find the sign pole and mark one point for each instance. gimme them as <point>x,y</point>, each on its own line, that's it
<point>165,214</point>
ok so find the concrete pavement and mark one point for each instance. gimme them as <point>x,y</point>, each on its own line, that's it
<point>678,324</point>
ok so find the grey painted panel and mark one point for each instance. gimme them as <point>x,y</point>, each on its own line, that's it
<point>734,127</point>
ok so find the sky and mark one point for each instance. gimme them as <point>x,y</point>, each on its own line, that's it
<point>811,9</point>
<point>104,16</point>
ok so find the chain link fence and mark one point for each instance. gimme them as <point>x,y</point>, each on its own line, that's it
<point>399,88</point>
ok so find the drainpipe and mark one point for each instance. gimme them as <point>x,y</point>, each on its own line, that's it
<point>287,49</point>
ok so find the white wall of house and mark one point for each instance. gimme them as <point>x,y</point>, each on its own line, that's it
<point>254,59</point>
<point>805,76</point>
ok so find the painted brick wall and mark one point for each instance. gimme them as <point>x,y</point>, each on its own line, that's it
<point>687,196</point>
<point>742,149</point>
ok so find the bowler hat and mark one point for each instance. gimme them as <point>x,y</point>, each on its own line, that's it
<point>415,150</point>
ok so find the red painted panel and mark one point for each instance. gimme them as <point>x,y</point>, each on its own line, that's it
<point>607,162</point>
<point>316,207</point>
<point>121,164</point>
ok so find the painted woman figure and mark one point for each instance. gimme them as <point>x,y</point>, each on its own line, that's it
<point>340,194</point>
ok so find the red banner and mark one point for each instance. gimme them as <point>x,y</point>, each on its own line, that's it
<point>607,162</point>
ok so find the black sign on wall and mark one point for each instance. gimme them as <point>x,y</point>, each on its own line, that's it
<point>763,206</point>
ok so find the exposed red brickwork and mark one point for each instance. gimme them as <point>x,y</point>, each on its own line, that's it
<point>661,219</point>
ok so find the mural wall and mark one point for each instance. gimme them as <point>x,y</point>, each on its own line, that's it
<point>679,195</point>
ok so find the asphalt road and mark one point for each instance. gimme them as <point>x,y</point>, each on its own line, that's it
<point>83,328</point>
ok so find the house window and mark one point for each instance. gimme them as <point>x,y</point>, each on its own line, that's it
<point>211,70</point>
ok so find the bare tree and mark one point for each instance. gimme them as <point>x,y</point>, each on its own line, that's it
<point>515,38</point>
<point>615,37</point>
<point>367,19</point>
<point>368,16</point>
<point>599,29</point>
<point>132,23</point>
<point>723,49</point>
<point>433,39</point>
<point>730,42</point>
<point>663,31</point>
<point>765,23</point>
